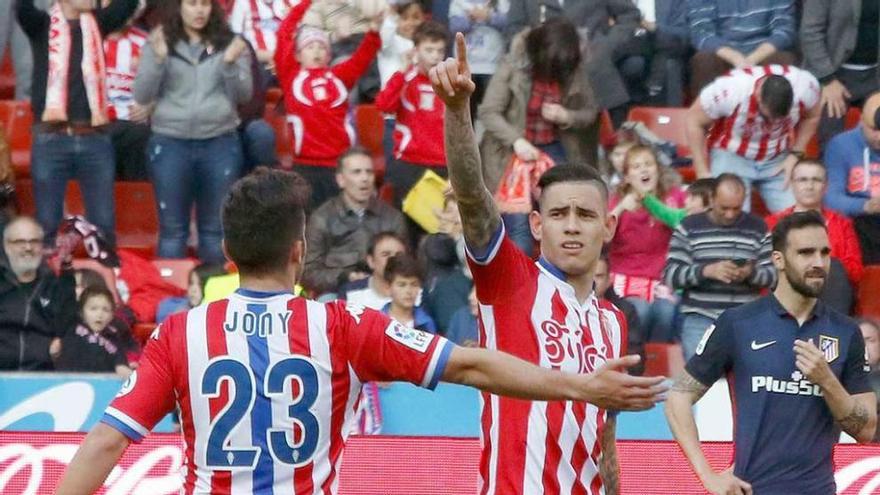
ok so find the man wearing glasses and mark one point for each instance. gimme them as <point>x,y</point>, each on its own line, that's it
<point>809,180</point>
<point>36,307</point>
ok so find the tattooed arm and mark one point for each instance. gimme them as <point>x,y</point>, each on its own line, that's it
<point>479,214</point>
<point>686,391</point>
<point>855,413</point>
<point>609,469</point>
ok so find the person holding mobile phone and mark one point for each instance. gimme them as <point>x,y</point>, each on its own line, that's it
<point>718,259</point>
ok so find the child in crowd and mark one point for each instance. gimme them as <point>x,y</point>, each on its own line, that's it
<point>697,200</point>
<point>316,97</point>
<point>119,329</point>
<point>398,29</point>
<point>418,135</point>
<point>195,291</point>
<point>616,158</point>
<point>405,278</point>
<point>87,347</point>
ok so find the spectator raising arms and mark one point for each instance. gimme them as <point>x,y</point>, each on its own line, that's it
<point>637,252</point>
<point>70,107</point>
<point>316,97</point>
<point>196,72</point>
<point>418,133</point>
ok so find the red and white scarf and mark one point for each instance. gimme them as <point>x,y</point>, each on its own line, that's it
<point>93,67</point>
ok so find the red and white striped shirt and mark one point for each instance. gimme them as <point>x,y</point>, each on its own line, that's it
<point>258,20</point>
<point>122,51</point>
<point>267,386</point>
<point>732,100</point>
<point>528,310</point>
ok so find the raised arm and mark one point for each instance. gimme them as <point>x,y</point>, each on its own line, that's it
<point>285,52</point>
<point>609,387</point>
<point>452,84</point>
<point>31,19</point>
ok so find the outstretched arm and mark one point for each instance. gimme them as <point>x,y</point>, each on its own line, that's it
<point>479,214</point>
<point>96,457</point>
<point>609,387</point>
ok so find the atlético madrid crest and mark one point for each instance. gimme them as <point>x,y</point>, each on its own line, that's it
<point>830,347</point>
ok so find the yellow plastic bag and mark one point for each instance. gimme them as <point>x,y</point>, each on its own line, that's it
<point>424,199</point>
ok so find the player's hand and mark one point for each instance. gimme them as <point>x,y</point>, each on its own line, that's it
<point>451,78</point>
<point>834,99</point>
<point>157,41</point>
<point>234,50</point>
<point>525,150</point>
<point>812,363</point>
<point>725,483</point>
<point>786,167</point>
<point>723,271</point>
<point>609,387</point>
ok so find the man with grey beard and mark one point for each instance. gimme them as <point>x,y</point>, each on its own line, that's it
<point>36,307</point>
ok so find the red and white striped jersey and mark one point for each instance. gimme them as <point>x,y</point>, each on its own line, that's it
<point>732,100</point>
<point>258,20</point>
<point>267,386</point>
<point>528,310</point>
<point>122,51</point>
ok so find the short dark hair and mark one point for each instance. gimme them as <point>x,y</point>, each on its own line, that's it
<point>554,50</point>
<point>702,188</point>
<point>353,151</point>
<point>263,215</point>
<point>727,178</point>
<point>96,291</point>
<point>777,95</point>
<point>430,31</point>
<point>572,173</point>
<point>810,161</point>
<point>402,265</point>
<point>207,270</point>
<point>795,221</point>
<point>381,236</point>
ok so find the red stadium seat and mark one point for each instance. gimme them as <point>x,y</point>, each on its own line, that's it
<point>868,304</point>
<point>370,128</point>
<point>19,134</point>
<point>137,223</point>
<point>663,359</point>
<point>175,271</point>
<point>274,97</point>
<point>283,139</point>
<point>666,123</point>
<point>142,331</point>
<point>607,133</point>
<point>7,77</point>
<point>24,193</point>
<point>106,273</point>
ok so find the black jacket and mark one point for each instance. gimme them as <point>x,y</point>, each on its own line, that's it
<point>31,315</point>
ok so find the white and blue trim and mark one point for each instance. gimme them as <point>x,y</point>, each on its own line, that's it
<point>122,422</point>
<point>438,363</point>
<point>485,255</point>
<point>258,294</point>
<point>552,269</point>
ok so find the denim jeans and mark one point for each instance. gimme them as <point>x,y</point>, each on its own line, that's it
<point>656,319</point>
<point>187,171</point>
<point>57,158</point>
<point>759,174</point>
<point>258,145</point>
<point>693,327</point>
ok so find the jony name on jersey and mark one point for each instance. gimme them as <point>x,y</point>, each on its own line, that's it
<point>257,321</point>
<point>797,386</point>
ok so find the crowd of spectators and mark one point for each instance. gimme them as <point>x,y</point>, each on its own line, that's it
<point>177,97</point>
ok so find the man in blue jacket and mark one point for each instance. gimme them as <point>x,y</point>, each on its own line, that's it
<point>853,162</point>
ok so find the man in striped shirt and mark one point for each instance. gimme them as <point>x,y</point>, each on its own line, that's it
<point>267,382</point>
<point>720,259</point>
<point>760,120</point>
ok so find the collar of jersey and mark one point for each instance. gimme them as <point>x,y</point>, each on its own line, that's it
<point>258,294</point>
<point>818,309</point>
<point>552,269</point>
<point>562,282</point>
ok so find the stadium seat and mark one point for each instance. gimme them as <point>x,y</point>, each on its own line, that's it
<point>274,97</point>
<point>275,117</point>
<point>24,193</point>
<point>607,134</point>
<point>18,131</point>
<point>370,126</point>
<point>868,304</point>
<point>175,272</point>
<point>7,77</point>
<point>667,123</point>
<point>663,359</point>
<point>137,223</point>
<point>105,272</point>
<point>142,331</point>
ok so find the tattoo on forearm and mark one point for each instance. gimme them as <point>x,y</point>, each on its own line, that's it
<point>608,465</point>
<point>479,214</point>
<point>855,421</point>
<point>685,383</point>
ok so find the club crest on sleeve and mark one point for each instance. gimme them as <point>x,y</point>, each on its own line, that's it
<point>830,347</point>
<point>129,384</point>
<point>414,339</point>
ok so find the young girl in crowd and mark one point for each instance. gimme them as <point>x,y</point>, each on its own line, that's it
<point>196,72</point>
<point>637,253</point>
<point>88,347</point>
